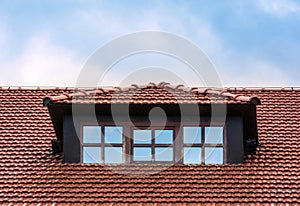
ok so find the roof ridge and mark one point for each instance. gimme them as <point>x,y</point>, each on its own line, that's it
<point>35,88</point>
<point>162,85</point>
<point>151,84</point>
<point>263,88</point>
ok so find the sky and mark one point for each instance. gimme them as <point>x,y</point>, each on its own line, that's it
<point>252,43</point>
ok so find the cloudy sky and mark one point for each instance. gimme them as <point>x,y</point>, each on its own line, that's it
<point>250,42</point>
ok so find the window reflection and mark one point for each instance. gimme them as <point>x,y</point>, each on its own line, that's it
<point>91,154</point>
<point>164,136</point>
<point>142,136</point>
<point>213,155</point>
<point>142,154</point>
<point>192,135</point>
<point>214,135</point>
<point>113,154</point>
<point>113,134</point>
<point>192,155</point>
<point>91,134</point>
<point>164,154</point>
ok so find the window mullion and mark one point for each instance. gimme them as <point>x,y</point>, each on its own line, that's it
<point>130,145</point>
<point>102,144</point>
<point>153,145</point>
<point>203,143</point>
<point>126,144</point>
<point>178,144</point>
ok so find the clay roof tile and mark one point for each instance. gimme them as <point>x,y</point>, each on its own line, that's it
<point>149,93</point>
<point>30,174</point>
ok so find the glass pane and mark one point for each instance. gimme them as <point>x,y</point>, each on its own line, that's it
<point>213,155</point>
<point>91,155</point>
<point>142,154</point>
<point>214,135</point>
<point>142,136</point>
<point>192,135</point>
<point>113,134</point>
<point>164,136</point>
<point>164,154</point>
<point>192,155</point>
<point>113,155</point>
<point>91,134</point>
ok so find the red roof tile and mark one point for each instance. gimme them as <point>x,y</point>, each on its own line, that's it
<point>162,93</point>
<point>29,173</point>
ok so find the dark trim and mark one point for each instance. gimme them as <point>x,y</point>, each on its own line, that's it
<point>139,115</point>
<point>46,101</point>
<point>255,101</point>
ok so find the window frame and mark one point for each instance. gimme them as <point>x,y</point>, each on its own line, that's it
<point>152,145</point>
<point>127,144</point>
<point>102,143</point>
<point>204,145</point>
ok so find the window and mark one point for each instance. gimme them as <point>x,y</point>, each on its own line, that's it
<point>203,145</point>
<point>153,145</point>
<point>102,144</point>
<point>192,147</point>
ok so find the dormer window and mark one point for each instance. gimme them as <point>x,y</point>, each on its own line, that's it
<point>153,145</point>
<point>102,144</point>
<point>203,144</point>
<point>179,140</point>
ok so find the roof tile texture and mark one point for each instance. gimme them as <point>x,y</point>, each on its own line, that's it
<point>29,173</point>
<point>162,93</point>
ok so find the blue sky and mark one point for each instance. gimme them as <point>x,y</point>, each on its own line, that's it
<point>251,42</point>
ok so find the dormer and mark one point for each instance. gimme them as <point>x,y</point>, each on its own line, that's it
<point>153,123</point>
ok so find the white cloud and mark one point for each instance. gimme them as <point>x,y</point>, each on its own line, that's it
<point>102,22</point>
<point>3,41</point>
<point>206,38</point>
<point>41,63</point>
<point>110,24</point>
<point>234,69</point>
<point>105,23</point>
<point>2,35</point>
<point>196,29</point>
<point>245,72</point>
<point>280,8</point>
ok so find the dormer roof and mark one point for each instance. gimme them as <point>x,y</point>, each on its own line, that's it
<point>162,93</point>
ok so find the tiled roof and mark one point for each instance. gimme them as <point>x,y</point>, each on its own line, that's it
<point>162,93</point>
<point>29,173</point>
